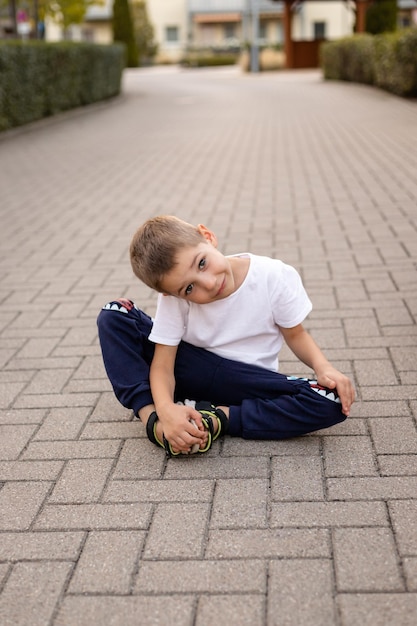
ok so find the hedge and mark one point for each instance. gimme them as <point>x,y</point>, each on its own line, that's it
<point>39,79</point>
<point>388,61</point>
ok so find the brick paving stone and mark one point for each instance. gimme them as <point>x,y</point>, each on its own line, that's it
<point>369,488</point>
<point>61,424</point>
<point>301,592</point>
<point>349,456</point>
<point>41,546</point>
<point>94,516</point>
<point>286,447</point>
<point>31,593</point>
<point>177,530</point>
<point>378,609</point>
<point>230,467</point>
<point>298,478</point>
<point>239,610</point>
<point>124,610</point>
<point>159,491</point>
<point>20,503</point>
<point>139,459</point>
<point>398,464</point>
<point>70,489</point>
<point>108,409</point>
<point>30,470</point>
<point>410,569</point>
<point>8,392</point>
<point>394,435</point>
<point>107,562</point>
<point>240,504</point>
<point>13,440</point>
<point>113,430</point>
<point>404,518</point>
<point>328,514</point>
<point>256,543</point>
<point>53,450</point>
<point>168,577</point>
<point>366,560</point>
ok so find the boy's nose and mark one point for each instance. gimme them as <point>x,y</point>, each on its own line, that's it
<point>209,282</point>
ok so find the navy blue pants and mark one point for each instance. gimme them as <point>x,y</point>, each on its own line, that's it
<point>263,404</point>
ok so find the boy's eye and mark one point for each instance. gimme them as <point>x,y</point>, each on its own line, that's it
<point>188,289</point>
<point>202,264</point>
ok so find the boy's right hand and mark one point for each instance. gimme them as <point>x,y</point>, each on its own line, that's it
<point>177,428</point>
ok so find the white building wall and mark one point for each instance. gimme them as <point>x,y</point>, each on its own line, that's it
<point>338,16</point>
<point>166,16</point>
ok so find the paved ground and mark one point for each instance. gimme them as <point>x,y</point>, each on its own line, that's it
<point>96,527</point>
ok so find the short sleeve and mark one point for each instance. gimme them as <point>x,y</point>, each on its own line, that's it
<point>290,302</point>
<point>170,321</point>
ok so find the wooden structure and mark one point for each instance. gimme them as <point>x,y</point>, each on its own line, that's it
<point>305,53</point>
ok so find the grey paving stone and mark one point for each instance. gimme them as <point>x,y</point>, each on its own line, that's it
<point>20,503</point>
<point>124,610</point>
<point>30,470</point>
<point>394,435</point>
<point>240,504</point>
<point>168,577</point>
<point>40,546</point>
<point>107,562</point>
<point>83,480</point>
<point>297,478</point>
<point>300,591</point>
<point>159,491</point>
<point>62,423</point>
<point>13,439</point>
<point>404,517</point>
<point>349,456</point>
<point>369,488</point>
<point>51,450</point>
<point>238,610</point>
<point>366,560</point>
<point>32,592</point>
<point>328,514</point>
<point>378,609</point>
<point>177,530</point>
<point>94,516</point>
<point>227,467</point>
<point>268,543</point>
<point>410,569</point>
<point>398,464</point>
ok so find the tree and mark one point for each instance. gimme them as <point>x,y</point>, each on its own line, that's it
<point>143,30</point>
<point>381,17</point>
<point>123,31</point>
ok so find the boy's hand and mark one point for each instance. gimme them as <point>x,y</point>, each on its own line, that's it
<point>177,428</point>
<point>333,379</point>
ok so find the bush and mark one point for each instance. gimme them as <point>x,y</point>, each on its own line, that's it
<point>381,17</point>
<point>208,59</point>
<point>396,62</point>
<point>388,61</point>
<point>351,59</point>
<point>38,79</point>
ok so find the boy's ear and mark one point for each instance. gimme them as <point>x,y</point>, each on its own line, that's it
<point>207,234</point>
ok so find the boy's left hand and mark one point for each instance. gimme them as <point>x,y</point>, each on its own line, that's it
<point>333,379</point>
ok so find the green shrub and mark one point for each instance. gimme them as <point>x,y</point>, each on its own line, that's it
<point>396,62</point>
<point>350,59</point>
<point>208,60</point>
<point>123,31</point>
<point>381,17</point>
<point>388,61</point>
<point>38,79</point>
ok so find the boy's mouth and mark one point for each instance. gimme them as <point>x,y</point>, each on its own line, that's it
<point>222,286</point>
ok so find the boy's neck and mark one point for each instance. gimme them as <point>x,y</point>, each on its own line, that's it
<point>240,268</point>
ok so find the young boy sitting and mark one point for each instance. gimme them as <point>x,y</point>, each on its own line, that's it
<point>219,326</point>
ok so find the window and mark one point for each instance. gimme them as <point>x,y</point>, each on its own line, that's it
<point>171,34</point>
<point>319,30</point>
<point>229,31</point>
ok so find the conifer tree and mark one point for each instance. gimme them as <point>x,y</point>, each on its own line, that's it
<point>123,30</point>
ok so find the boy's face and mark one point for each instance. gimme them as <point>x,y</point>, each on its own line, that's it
<point>202,274</point>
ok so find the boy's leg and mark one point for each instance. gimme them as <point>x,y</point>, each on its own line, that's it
<point>263,404</point>
<point>123,332</point>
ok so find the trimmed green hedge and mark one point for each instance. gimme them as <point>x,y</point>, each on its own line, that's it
<point>39,79</point>
<point>388,61</point>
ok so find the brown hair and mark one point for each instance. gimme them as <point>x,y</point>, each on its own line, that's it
<point>155,245</point>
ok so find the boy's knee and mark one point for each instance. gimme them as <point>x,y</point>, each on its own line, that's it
<point>122,305</point>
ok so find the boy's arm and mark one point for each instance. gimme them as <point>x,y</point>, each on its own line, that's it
<point>175,419</point>
<point>306,349</point>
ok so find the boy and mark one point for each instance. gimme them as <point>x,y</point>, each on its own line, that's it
<point>218,329</point>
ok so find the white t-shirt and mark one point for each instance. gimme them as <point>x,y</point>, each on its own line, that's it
<point>243,326</point>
